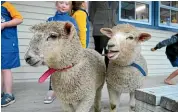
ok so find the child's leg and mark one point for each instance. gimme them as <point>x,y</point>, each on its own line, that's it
<point>50,94</point>
<point>50,85</point>
<point>170,77</point>
<point>2,82</point>
<point>7,80</point>
<point>8,98</point>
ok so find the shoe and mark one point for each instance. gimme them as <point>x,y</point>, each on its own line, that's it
<point>7,99</point>
<point>50,97</point>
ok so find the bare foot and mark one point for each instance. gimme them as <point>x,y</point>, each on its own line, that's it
<point>169,82</point>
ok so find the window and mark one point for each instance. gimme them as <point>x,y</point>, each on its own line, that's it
<point>162,15</point>
<point>168,14</point>
<point>137,12</point>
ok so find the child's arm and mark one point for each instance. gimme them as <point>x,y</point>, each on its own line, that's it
<point>16,16</point>
<point>49,19</point>
<point>13,22</point>
<point>166,42</point>
<point>80,18</point>
<point>75,24</point>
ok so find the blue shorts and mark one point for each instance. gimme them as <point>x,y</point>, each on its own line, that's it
<point>10,60</point>
<point>175,63</point>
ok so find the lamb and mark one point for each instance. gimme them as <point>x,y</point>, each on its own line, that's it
<point>127,66</point>
<point>78,74</point>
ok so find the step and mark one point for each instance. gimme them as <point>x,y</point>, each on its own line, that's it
<point>170,102</point>
<point>145,107</point>
<point>153,95</point>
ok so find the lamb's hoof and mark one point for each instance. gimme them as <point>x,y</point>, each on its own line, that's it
<point>132,109</point>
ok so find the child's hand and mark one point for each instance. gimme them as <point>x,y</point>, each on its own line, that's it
<point>2,26</point>
<point>153,49</point>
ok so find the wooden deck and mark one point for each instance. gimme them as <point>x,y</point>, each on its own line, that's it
<point>30,95</point>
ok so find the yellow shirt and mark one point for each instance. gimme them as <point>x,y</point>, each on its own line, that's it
<point>11,9</point>
<point>80,17</point>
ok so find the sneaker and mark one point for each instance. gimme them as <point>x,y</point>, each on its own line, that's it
<point>50,97</point>
<point>7,100</point>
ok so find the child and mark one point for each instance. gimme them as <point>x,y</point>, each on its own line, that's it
<point>172,54</point>
<point>10,18</point>
<point>63,8</point>
<point>62,14</point>
<point>81,17</point>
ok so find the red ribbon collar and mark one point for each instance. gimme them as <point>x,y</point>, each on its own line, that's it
<point>50,71</point>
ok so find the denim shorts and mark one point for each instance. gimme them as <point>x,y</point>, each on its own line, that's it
<point>174,63</point>
<point>10,60</point>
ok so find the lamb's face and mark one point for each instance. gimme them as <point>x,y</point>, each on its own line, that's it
<point>34,55</point>
<point>51,43</point>
<point>121,44</point>
<point>125,41</point>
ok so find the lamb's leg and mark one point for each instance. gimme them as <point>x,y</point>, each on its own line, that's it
<point>86,103</point>
<point>68,107</point>
<point>132,101</point>
<point>114,98</point>
<point>97,104</point>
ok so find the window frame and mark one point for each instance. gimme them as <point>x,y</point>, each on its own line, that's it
<point>154,18</point>
<point>135,21</point>
<point>169,8</point>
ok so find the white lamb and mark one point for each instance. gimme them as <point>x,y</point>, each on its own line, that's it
<point>79,74</point>
<point>127,66</point>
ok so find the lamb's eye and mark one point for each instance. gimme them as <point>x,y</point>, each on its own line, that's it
<point>52,36</point>
<point>130,37</point>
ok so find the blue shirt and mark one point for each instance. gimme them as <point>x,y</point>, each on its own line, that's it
<point>171,49</point>
<point>168,41</point>
<point>60,16</point>
<point>9,40</point>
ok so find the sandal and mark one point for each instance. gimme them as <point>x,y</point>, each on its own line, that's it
<point>50,97</point>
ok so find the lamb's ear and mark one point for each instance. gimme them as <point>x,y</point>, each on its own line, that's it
<point>107,31</point>
<point>144,37</point>
<point>69,29</point>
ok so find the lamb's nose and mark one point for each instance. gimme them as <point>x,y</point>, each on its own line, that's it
<point>111,45</point>
<point>27,59</point>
